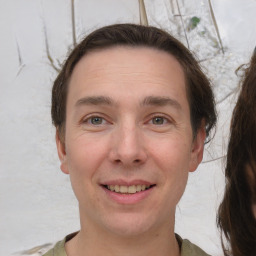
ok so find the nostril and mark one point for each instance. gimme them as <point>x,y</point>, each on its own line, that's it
<point>136,161</point>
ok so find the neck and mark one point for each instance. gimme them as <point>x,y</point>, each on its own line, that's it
<point>90,242</point>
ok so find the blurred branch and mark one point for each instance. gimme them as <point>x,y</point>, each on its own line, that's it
<point>209,58</point>
<point>21,63</point>
<point>182,22</point>
<point>19,53</point>
<point>143,13</point>
<point>214,159</point>
<point>215,25</point>
<point>59,63</point>
<point>20,69</point>
<point>172,7</point>
<point>48,50</point>
<point>227,95</point>
<point>172,17</point>
<point>73,22</point>
<point>156,23</point>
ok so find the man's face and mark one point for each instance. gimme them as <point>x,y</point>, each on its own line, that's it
<point>128,127</point>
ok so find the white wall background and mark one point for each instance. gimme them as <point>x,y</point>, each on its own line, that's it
<point>37,205</point>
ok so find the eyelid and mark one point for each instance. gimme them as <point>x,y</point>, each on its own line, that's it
<point>85,119</point>
<point>164,116</point>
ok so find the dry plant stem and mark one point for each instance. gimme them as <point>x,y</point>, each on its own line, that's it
<point>172,17</point>
<point>143,13</point>
<point>215,25</point>
<point>19,53</point>
<point>48,51</point>
<point>21,64</point>
<point>182,22</point>
<point>209,58</point>
<point>73,22</point>
<point>172,7</point>
<point>227,95</point>
<point>59,63</point>
<point>156,23</point>
<point>212,160</point>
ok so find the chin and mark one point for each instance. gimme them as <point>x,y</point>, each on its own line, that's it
<point>130,225</point>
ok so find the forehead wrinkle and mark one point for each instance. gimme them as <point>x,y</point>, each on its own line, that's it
<point>161,101</point>
<point>95,100</point>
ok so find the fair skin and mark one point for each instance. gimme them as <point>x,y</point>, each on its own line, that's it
<point>128,124</point>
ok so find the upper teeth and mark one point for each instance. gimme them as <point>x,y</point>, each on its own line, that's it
<point>127,189</point>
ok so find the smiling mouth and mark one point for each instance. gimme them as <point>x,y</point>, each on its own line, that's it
<point>128,189</point>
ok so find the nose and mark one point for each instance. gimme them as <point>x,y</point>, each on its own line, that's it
<point>128,147</point>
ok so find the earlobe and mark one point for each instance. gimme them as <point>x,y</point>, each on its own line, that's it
<point>61,153</point>
<point>197,149</point>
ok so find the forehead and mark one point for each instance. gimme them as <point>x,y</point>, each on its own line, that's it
<point>129,70</point>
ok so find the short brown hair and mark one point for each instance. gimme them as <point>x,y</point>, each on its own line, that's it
<point>235,216</point>
<point>199,92</point>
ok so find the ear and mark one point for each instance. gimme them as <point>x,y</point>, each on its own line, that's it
<point>197,148</point>
<point>61,152</point>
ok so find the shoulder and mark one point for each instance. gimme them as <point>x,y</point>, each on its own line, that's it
<point>35,251</point>
<point>57,250</point>
<point>190,249</point>
<point>48,249</point>
<point>59,247</point>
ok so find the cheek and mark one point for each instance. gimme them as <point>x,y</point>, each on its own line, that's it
<point>173,161</point>
<point>86,153</point>
<point>171,154</point>
<point>84,157</point>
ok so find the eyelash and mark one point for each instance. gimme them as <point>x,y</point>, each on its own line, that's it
<point>162,118</point>
<point>89,120</point>
<point>166,120</point>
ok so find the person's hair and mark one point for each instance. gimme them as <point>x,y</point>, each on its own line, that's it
<point>199,92</point>
<point>235,216</point>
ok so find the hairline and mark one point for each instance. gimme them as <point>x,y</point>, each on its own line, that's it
<point>61,127</point>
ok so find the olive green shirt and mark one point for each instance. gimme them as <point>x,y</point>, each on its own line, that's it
<point>187,248</point>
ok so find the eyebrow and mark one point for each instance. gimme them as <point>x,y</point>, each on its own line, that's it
<point>149,100</point>
<point>161,101</point>
<point>95,100</point>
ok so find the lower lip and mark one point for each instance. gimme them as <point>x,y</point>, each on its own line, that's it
<point>128,198</point>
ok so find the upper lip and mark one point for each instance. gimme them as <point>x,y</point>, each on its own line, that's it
<point>122,182</point>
